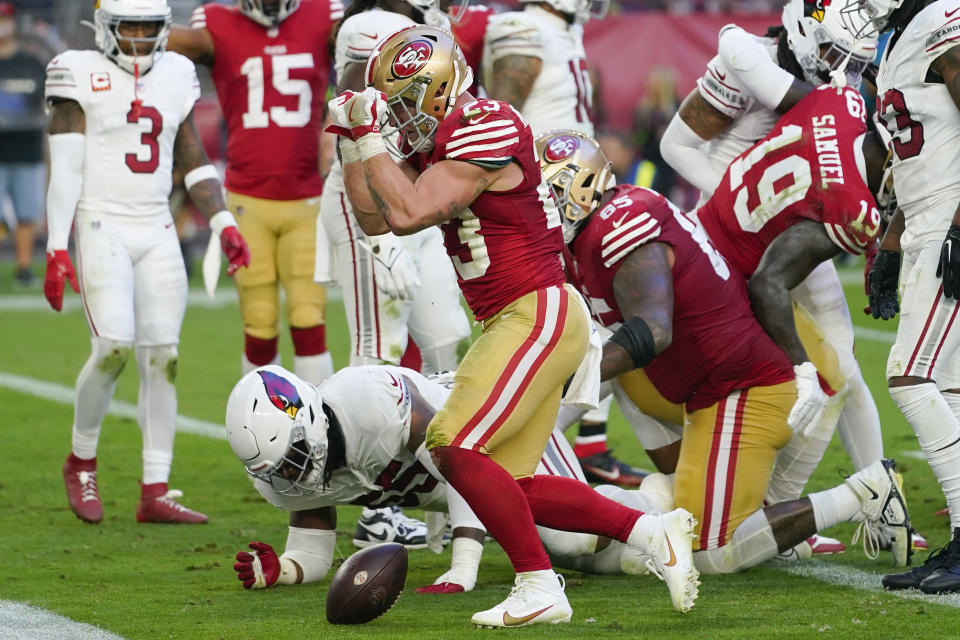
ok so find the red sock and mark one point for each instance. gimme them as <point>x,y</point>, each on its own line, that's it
<point>497,500</point>
<point>411,357</point>
<point>260,352</point>
<point>570,505</point>
<point>311,341</point>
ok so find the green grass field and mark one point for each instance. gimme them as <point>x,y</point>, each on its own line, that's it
<point>156,581</point>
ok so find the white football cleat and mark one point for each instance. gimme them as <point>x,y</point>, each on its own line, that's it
<point>667,542</point>
<point>537,596</point>
<point>802,551</point>
<point>883,513</point>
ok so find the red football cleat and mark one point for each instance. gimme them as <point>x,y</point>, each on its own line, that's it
<point>158,504</point>
<point>80,477</point>
<point>823,545</point>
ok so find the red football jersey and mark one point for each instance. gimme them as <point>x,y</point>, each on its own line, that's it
<point>507,243</point>
<point>469,33</point>
<point>806,168</point>
<point>272,86</point>
<point>718,345</point>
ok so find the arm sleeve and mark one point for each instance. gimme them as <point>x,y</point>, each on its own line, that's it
<point>512,35</point>
<point>336,10</point>
<point>756,73</point>
<point>686,152</point>
<point>198,19</point>
<point>66,185</point>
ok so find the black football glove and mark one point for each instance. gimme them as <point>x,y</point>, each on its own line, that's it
<point>883,278</point>
<point>949,267</point>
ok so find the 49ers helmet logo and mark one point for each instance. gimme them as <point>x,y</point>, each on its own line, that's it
<point>412,58</point>
<point>560,148</point>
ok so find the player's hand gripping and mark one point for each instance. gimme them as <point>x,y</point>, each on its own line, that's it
<point>808,408</point>
<point>59,268</point>
<point>354,115</point>
<point>260,569</point>
<point>882,278</point>
<point>949,267</point>
<point>395,269</point>
<point>235,248</point>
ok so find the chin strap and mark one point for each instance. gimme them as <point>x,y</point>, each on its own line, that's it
<point>137,103</point>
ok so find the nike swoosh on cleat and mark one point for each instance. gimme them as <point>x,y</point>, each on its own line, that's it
<point>673,556</point>
<point>606,475</point>
<point>510,621</point>
<point>872,492</point>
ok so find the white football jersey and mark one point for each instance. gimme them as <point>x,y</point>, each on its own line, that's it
<point>562,95</point>
<point>744,82</point>
<point>916,109</point>
<point>128,165</point>
<point>372,405</point>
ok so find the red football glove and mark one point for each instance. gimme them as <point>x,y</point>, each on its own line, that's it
<point>443,587</point>
<point>58,268</point>
<point>235,248</point>
<point>260,569</point>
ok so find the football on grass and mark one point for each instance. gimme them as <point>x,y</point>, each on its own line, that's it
<point>367,584</point>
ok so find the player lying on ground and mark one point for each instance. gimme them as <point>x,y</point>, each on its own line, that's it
<point>313,448</point>
<point>470,167</point>
<point>119,118</point>
<point>679,313</point>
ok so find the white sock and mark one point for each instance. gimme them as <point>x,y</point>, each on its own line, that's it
<point>938,432</point>
<point>953,401</point>
<point>246,366</point>
<point>568,416</point>
<point>834,506</point>
<point>95,386</point>
<point>157,409</point>
<point>601,413</point>
<point>437,359</point>
<point>796,462</point>
<point>859,425</point>
<point>314,369</point>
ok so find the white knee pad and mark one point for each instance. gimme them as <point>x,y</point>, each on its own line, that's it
<point>567,543</point>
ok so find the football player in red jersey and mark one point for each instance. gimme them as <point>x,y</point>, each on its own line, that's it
<point>682,315</point>
<point>269,60</point>
<point>470,167</point>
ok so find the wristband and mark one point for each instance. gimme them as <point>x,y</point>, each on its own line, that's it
<point>205,172</point>
<point>371,145</point>
<point>221,220</point>
<point>288,571</point>
<point>349,151</point>
<point>635,336</point>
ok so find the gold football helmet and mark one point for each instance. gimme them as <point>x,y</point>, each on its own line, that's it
<point>577,173</point>
<point>422,71</point>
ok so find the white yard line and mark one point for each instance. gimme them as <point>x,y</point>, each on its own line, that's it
<point>23,622</point>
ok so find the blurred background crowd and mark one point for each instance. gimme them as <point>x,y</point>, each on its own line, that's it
<point>668,43</point>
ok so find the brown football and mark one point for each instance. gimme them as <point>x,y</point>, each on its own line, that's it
<point>367,584</point>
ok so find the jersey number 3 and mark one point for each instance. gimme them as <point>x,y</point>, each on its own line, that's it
<point>897,120</point>
<point>147,139</point>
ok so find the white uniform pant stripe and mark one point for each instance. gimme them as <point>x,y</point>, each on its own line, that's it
<point>719,498</point>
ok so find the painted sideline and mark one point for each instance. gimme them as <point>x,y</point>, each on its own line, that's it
<point>23,622</point>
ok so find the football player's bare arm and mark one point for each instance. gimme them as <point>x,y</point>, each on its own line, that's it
<point>440,193</point>
<point>948,67</point>
<point>797,91</point>
<point>65,116</point>
<point>513,78</point>
<point>891,237</point>
<point>196,44</point>
<point>364,209</point>
<point>643,288</point>
<point>352,78</point>
<point>189,154</point>
<point>695,123</point>
<point>322,518</point>
<point>786,263</point>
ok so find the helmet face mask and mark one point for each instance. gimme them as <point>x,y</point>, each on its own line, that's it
<point>277,427</point>
<point>825,36</point>
<point>577,173</point>
<point>268,13</point>
<point>422,72</point>
<point>879,11</point>
<point>114,19</point>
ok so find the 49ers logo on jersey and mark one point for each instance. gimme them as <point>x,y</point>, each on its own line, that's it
<point>560,148</point>
<point>412,58</point>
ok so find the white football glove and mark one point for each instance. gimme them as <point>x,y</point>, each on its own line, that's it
<point>395,269</point>
<point>808,408</point>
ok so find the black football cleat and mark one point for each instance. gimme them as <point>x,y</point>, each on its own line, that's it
<point>948,556</point>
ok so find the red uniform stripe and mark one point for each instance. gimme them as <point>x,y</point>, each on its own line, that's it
<point>353,256</point>
<point>923,334</point>
<point>711,473</point>
<point>732,464</point>
<point>534,368</point>
<point>943,339</point>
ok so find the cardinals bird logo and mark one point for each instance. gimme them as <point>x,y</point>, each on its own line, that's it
<point>412,58</point>
<point>282,393</point>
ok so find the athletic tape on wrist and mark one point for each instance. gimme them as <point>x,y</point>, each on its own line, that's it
<point>206,172</point>
<point>312,550</point>
<point>371,145</point>
<point>221,220</point>
<point>349,151</point>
